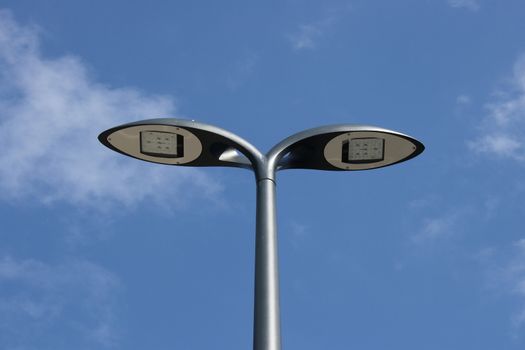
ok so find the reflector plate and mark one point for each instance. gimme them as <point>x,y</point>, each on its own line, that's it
<point>161,144</point>
<point>363,150</point>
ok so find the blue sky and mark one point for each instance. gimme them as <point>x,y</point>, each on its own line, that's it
<point>100,251</point>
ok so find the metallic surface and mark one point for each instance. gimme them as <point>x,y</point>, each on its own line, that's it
<point>304,150</point>
<point>267,331</point>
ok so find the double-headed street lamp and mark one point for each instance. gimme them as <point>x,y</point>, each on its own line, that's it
<point>337,147</point>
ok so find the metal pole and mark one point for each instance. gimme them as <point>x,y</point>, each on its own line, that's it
<point>267,332</point>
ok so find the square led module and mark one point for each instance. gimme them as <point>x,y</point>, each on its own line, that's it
<point>363,150</point>
<point>161,144</point>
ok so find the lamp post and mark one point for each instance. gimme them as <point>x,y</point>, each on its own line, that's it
<point>189,143</point>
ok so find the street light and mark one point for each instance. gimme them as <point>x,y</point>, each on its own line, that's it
<point>337,147</point>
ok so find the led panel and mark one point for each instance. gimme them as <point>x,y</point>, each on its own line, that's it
<point>363,150</point>
<point>161,144</point>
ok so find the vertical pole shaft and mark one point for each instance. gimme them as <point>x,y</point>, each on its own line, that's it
<point>267,333</point>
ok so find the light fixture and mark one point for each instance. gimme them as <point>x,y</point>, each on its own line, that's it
<point>337,147</point>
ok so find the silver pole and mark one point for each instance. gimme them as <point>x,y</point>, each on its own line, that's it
<point>267,332</point>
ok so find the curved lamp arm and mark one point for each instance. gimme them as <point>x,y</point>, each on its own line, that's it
<point>199,144</point>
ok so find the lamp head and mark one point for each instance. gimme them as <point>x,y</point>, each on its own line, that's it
<point>345,147</point>
<point>179,142</point>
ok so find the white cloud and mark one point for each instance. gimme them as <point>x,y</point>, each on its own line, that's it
<point>298,229</point>
<point>471,5</point>
<point>242,70</point>
<point>37,300</point>
<point>503,145</point>
<point>307,36</point>
<point>424,202</point>
<point>297,233</point>
<point>434,225</point>
<point>51,112</point>
<point>463,100</point>
<point>503,130</point>
<point>509,277</point>
<point>436,228</point>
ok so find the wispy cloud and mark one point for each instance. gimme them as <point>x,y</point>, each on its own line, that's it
<point>435,221</point>
<point>516,272</point>
<point>506,268</point>
<point>296,232</point>
<point>433,224</point>
<point>471,5</point>
<point>38,301</point>
<point>308,35</point>
<point>51,111</point>
<point>502,132</point>
<point>436,228</point>
<point>242,70</point>
<point>463,100</point>
<point>501,144</point>
<point>424,202</point>
<point>298,229</point>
